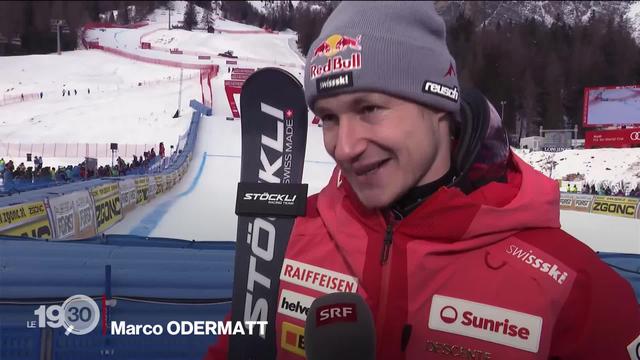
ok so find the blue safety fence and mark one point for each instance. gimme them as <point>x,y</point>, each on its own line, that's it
<point>152,280</point>
<point>627,265</point>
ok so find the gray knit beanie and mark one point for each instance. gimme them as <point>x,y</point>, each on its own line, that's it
<point>393,47</point>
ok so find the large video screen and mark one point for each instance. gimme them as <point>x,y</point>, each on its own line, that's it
<point>616,105</point>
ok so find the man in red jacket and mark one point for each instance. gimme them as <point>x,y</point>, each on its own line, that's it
<point>451,239</point>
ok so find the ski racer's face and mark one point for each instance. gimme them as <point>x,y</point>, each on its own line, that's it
<point>384,145</point>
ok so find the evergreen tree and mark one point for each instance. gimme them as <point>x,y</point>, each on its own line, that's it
<point>207,19</point>
<point>190,21</point>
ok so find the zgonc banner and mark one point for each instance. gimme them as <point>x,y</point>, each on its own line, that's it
<point>29,219</point>
<point>615,205</point>
<point>142,190</point>
<point>108,206</point>
<point>73,216</point>
<point>160,185</point>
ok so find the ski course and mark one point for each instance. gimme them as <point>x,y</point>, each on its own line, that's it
<point>202,206</point>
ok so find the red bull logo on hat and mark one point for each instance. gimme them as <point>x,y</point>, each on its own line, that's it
<point>335,44</point>
<point>329,48</point>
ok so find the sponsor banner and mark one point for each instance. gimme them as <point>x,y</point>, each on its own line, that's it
<point>619,138</point>
<point>168,183</point>
<point>485,322</point>
<point>239,76</point>
<point>232,88</point>
<point>243,71</point>
<point>615,205</point>
<point>160,187</point>
<point>142,190</point>
<point>73,215</point>
<point>128,195</point>
<point>292,338</point>
<point>175,177</point>
<point>153,187</point>
<point>566,201</point>
<point>582,202</point>
<point>317,278</point>
<point>29,219</point>
<point>294,304</point>
<point>107,204</point>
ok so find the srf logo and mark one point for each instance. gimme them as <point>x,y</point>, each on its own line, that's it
<point>335,44</point>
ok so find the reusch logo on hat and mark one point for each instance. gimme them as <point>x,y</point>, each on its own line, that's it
<point>443,91</point>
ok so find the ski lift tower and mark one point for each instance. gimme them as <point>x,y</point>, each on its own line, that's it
<point>58,25</point>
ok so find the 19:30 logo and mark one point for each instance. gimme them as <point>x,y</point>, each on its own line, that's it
<point>79,315</point>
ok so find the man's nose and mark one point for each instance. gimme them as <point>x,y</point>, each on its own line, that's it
<point>351,142</point>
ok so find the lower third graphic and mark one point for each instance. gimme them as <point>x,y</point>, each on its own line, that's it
<point>79,315</point>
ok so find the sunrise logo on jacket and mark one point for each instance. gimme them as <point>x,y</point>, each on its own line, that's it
<point>528,257</point>
<point>485,322</point>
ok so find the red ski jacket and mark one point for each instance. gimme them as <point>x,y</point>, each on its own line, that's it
<point>488,275</point>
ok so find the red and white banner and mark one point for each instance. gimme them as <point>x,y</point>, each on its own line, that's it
<point>621,138</point>
<point>205,85</point>
<point>231,88</point>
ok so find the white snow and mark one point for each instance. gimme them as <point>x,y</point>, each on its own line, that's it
<point>599,166</point>
<point>202,206</point>
<point>634,19</point>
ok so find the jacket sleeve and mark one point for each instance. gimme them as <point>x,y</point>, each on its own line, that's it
<point>601,318</point>
<point>219,350</point>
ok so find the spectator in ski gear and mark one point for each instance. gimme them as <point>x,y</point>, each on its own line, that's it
<point>9,166</point>
<point>161,150</point>
<point>152,155</point>
<point>575,188</point>
<point>444,236</point>
<point>1,165</point>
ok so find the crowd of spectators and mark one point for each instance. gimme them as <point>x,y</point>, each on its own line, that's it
<point>603,189</point>
<point>37,174</point>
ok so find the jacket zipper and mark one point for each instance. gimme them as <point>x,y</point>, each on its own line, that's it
<point>394,218</point>
<point>386,245</point>
<point>385,263</point>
